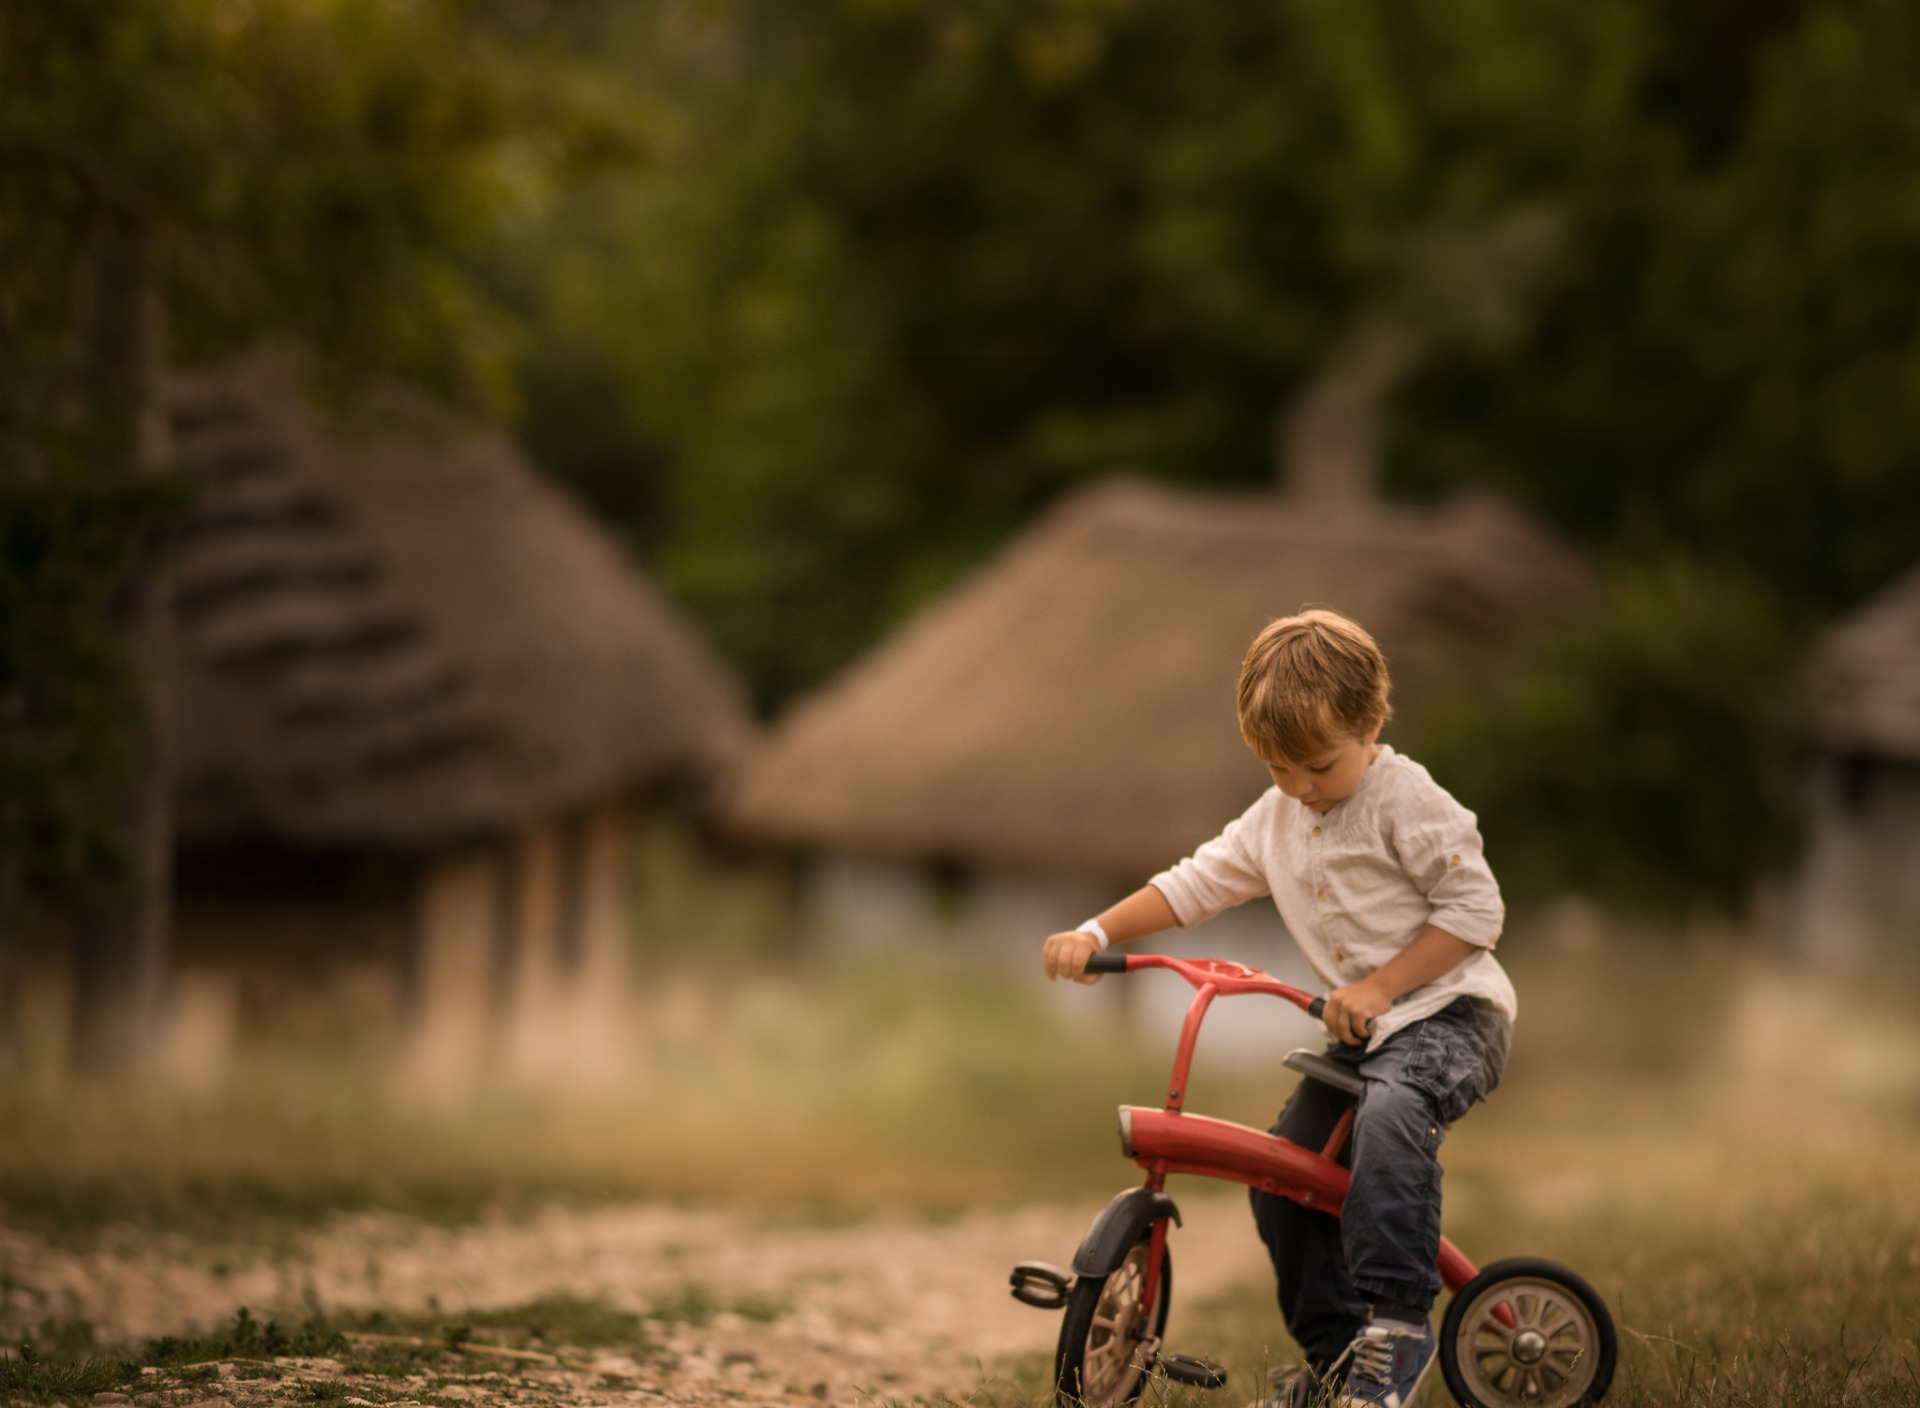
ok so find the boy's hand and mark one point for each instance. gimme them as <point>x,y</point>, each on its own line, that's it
<point>1066,955</point>
<point>1349,1013</point>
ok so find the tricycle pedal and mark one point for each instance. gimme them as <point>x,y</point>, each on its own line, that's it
<point>1187,1369</point>
<point>1041,1284</point>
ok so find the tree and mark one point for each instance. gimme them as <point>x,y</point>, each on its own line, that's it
<point>910,270</point>
<point>177,176</point>
<point>1725,370</point>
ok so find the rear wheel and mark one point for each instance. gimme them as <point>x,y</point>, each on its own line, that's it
<point>1104,1352</point>
<point>1527,1333</point>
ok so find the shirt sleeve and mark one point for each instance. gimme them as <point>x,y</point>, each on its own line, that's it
<point>1221,874</point>
<point>1438,845</point>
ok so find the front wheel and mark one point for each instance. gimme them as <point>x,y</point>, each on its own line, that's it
<point>1103,1357</point>
<point>1527,1333</point>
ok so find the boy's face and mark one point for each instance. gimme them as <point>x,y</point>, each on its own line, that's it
<point>1325,778</point>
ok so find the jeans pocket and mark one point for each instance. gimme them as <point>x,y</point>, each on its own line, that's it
<point>1458,1057</point>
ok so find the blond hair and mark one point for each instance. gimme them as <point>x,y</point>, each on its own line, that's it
<point>1308,683</point>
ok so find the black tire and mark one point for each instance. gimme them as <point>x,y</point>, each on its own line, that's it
<point>1559,1352</point>
<point>1096,1365</point>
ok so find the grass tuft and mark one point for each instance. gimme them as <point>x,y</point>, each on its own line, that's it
<point>248,1338</point>
<point>327,1390</point>
<point>556,1320</point>
<point>26,1375</point>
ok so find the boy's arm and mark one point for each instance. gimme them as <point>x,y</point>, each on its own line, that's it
<point>1143,912</point>
<point>1350,1010</point>
<point>1222,873</point>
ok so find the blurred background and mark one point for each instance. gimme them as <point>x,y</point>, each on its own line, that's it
<point>585,581</point>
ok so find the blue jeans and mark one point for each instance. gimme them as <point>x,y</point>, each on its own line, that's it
<point>1387,1241</point>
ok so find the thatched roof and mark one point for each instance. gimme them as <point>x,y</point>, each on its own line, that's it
<point>1866,677</point>
<point>393,632</point>
<point>1069,709</point>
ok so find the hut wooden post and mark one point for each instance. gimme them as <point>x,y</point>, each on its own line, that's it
<point>532,1021</point>
<point>563,1000</point>
<point>601,1006</point>
<point>452,980</point>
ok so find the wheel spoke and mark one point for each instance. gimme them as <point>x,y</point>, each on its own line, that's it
<point>1553,1330</point>
<point>1110,1370</point>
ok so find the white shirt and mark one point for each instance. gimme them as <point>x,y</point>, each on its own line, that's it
<point>1355,884</point>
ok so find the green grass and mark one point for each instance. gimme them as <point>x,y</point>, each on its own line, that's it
<point>29,1376</point>
<point>248,1338</point>
<point>328,1390</point>
<point>551,1324</point>
<point>555,1320</point>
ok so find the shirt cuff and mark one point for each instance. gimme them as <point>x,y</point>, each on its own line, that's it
<point>1187,909</point>
<point>1470,925</point>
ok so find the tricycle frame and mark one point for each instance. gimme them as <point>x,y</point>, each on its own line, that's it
<point>1168,1140</point>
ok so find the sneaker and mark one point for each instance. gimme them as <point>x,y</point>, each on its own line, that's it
<point>1385,1364</point>
<point>1292,1386</point>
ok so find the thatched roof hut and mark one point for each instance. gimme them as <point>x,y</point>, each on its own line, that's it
<point>1069,709</point>
<point>394,633</point>
<point>1865,679</point>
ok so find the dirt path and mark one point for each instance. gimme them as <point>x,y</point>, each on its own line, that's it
<point>740,1307</point>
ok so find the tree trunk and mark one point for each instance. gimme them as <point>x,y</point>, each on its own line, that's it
<point>12,954</point>
<point>125,932</point>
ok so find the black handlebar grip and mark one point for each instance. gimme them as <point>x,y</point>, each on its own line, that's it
<point>1316,1007</point>
<point>1106,963</point>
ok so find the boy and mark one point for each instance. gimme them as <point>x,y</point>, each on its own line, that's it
<point>1377,874</point>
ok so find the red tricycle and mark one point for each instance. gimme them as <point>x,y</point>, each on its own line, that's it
<point>1523,1333</point>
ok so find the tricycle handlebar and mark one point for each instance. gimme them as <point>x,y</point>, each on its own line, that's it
<point>1224,977</point>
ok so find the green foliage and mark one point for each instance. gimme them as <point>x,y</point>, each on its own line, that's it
<point>908,271</point>
<point>69,553</point>
<point>327,172</point>
<point>1642,754</point>
<point>905,272</point>
<point>1726,369</point>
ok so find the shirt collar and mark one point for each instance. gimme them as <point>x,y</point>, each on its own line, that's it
<point>1366,779</point>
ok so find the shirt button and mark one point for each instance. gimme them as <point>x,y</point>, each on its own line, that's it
<point>1322,895</point>
<point>1455,861</point>
<point>1340,954</point>
<point>1316,831</point>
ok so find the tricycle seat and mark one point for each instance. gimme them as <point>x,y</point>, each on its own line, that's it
<point>1314,1066</point>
